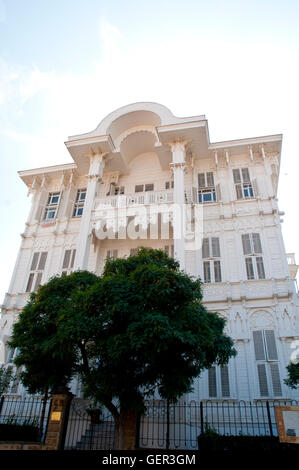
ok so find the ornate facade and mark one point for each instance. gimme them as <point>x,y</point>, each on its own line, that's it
<point>134,173</point>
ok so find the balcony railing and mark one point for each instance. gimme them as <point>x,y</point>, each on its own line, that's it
<point>146,198</point>
<point>137,199</point>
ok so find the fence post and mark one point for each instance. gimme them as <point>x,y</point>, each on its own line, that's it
<point>269,418</point>
<point>201,418</point>
<point>167,424</point>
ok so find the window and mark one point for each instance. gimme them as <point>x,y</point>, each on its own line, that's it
<point>51,206</point>
<point>68,261</point>
<point>79,203</point>
<point>211,266</point>
<point>206,188</point>
<point>169,249</point>
<point>218,382</point>
<point>36,270</point>
<point>140,188</point>
<point>267,363</point>
<point>169,184</point>
<point>242,183</point>
<point>112,254</point>
<point>252,249</point>
<point>115,190</point>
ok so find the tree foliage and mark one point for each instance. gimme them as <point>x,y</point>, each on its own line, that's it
<point>7,377</point>
<point>139,328</point>
<point>49,358</point>
<point>292,380</point>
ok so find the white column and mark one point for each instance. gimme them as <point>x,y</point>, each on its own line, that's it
<point>178,168</point>
<point>95,173</point>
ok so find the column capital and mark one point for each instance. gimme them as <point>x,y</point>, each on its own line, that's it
<point>177,145</point>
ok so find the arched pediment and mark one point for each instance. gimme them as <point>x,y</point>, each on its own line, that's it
<point>261,319</point>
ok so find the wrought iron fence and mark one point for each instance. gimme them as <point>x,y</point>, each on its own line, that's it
<point>166,425</point>
<point>174,426</point>
<point>23,418</point>
<point>87,429</point>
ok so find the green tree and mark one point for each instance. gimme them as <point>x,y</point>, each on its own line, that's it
<point>139,328</point>
<point>292,380</point>
<point>48,359</point>
<point>7,377</point>
<point>145,329</point>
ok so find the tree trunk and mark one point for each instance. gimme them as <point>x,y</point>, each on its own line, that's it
<point>125,429</point>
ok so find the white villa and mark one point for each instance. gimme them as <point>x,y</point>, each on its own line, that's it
<point>141,160</point>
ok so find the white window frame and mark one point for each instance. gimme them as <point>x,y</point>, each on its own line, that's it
<point>243,183</point>
<point>144,187</point>
<point>206,188</point>
<point>79,202</point>
<point>169,185</point>
<point>51,208</point>
<point>219,383</point>
<point>211,257</point>
<point>37,267</point>
<point>112,254</point>
<point>253,253</point>
<point>68,261</point>
<point>267,363</point>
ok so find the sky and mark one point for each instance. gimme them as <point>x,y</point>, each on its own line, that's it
<point>66,64</point>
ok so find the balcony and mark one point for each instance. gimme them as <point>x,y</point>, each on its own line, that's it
<point>135,199</point>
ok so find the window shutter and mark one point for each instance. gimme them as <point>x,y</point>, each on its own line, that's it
<point>30,282</point>
<point>215,247</point>
<point>73,259</point>
<point>262,375</point>
<point>207,271</point>
<point>224,381</point>
<point>271,345</point>
<point>139,188</point>
<point>217,271</point>
<point>210,179</point>
<point>42,260</point>
<point>205,248</point>
<point>257,246</point>
<point>245,175</point>
<point>201,180</point>
<point>237,176</point>
<point>115,254</point>
<point>249,268</point>
<point>34,261</point>
<point>246,244</point>
<point>38,280</point>
<point>260,267</point>
<point>66,259</point>
<point>259,345</point>
<point>275,379</point>
<point>41,205</point>
<point>212,382</point>
<point>239,191</point>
